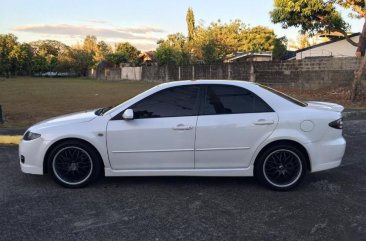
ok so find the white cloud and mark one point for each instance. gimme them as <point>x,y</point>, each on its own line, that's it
<point>125,33</point>
<point>99,21</point>
<point>141,29</point>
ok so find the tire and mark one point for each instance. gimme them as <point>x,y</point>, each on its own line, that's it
<point>280,167</point>
<point>74,164</point>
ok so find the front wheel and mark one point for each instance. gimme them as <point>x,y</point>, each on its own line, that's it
<point>74,164</point>
<point>281,167</point>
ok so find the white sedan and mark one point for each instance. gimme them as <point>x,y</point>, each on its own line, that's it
<point>190,128</point>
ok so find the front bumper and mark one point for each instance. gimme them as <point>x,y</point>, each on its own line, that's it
<point>32,152</point>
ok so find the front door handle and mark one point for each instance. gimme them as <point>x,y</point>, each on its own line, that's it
<point>262,122</point>
<point>182,127</point>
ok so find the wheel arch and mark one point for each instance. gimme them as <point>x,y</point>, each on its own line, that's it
<point>290,143</point>
<point>49,150</point>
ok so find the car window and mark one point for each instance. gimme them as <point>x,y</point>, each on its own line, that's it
<point>283,95</point>
<point>222,99</point>
<point>171,102</point>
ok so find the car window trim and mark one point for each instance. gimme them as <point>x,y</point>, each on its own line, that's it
<point>204,99</point>
<point>119,115</point>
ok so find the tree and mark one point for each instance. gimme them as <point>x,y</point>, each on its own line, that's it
<point>130,51</point>
<point>303,41</point>
<point>227,38</point>
<point>15,57</point>
<point>81,61</point>
<point>24,58</point>
<point>279,48</point>
<point>232,37</point>
<point>216,41</point>
<point>103,49</point>
<point>8,48</point>
<point>322,16</point>
<point>209,53</point>
<point>117,58</point>
<point>52,55</point>
<point>311,16</point>
<point>167,55</point>
<point>90,44</point>
<point>179,45</point>
<point>257,39</point>
<point>66,62</point>
<point>39,64</point>
<point>190,23</point>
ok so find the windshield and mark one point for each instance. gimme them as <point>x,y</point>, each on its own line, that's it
<point>283,95</point>
<point>118,106</point>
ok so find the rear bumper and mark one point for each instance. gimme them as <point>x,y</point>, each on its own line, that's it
<point>327,154</point>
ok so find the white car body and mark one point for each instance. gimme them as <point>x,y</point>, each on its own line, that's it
<point>203,145</point>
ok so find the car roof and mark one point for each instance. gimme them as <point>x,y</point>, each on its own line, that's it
<point>192,82</point>
<point>276,102</point>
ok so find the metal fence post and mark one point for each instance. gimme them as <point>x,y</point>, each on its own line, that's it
<point>179,77</point>
<point>228,71</point>
<point>252,72</point>
<point>1,115</point>
<point>166,73</point>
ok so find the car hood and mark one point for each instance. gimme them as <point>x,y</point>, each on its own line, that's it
<point>325,106</point>
<point>72,118</point>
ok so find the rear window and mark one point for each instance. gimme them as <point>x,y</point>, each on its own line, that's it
<point>287,97</point>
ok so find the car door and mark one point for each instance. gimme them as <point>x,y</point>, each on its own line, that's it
<point>232,123</point>
<point>160,136</point>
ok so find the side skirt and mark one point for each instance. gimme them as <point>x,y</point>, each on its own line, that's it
<point>232,172</point>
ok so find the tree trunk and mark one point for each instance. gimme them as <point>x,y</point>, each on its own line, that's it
<point>357,88</point>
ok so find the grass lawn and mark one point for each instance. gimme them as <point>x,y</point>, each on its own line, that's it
<point>27,100</point>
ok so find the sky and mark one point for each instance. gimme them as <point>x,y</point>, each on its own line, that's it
<point>141,22</point>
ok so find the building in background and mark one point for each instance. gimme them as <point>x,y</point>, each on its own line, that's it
<point>244,57</point>
<point>148,57</point>
<point>335,47</point>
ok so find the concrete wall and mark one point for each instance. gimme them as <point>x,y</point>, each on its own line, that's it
<point>306,73</point>
<point>112,74</point>
<point>311,73</point>
<point>131,73</point>
<point>337,49</point>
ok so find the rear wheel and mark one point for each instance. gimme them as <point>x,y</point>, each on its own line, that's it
<point>281,167</point>
<point>74,164</point>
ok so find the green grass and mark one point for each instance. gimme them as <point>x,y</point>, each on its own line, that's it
<point>27,100</point>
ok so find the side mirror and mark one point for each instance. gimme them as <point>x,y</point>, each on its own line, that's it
<point>128,114</point>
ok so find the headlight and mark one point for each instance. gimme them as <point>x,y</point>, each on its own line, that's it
<point>28,136</point>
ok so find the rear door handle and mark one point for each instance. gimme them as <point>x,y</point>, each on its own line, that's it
<point>182,127</point>
<point>262,122</point>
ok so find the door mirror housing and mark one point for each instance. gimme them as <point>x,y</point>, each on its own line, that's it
<point>128,114</point>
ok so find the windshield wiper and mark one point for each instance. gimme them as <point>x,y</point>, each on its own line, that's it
<point>101,111</point>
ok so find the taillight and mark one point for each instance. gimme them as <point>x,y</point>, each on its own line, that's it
<point>337,124</point>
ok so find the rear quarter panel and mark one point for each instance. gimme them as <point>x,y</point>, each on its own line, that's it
<point>290,122</point>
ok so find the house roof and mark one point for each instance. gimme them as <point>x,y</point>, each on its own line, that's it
<point>247,55</point>
<point>328,42</point>
<point>148,55</point>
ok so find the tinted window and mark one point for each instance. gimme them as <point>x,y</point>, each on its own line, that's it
<point>176,101</point>
<point>287,97</point>
<point>221,99</point>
